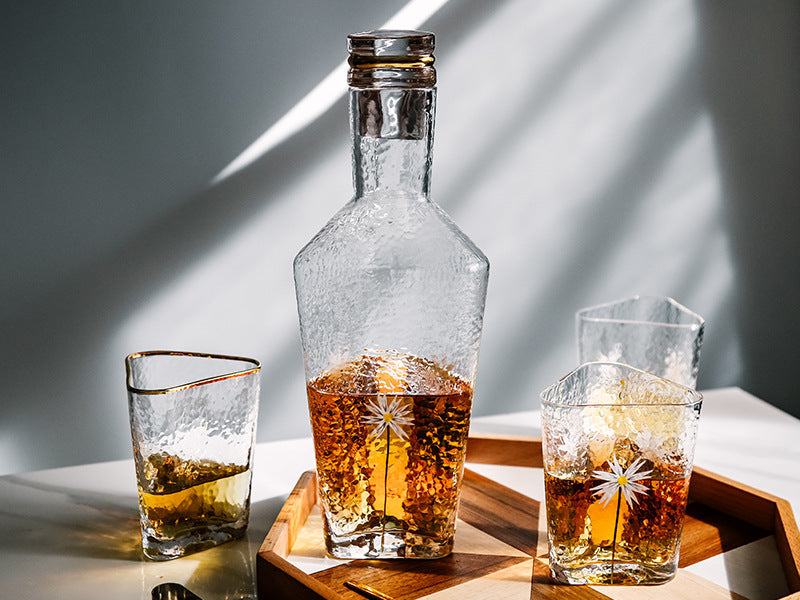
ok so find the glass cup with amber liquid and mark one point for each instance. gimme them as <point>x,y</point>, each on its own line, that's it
<point>390,295</point>
<point>618,447</point>
<point>192,422</point>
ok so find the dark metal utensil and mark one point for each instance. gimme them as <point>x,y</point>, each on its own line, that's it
<point>173,591</point>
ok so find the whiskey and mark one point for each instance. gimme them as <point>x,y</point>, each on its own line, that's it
<point>612,540</point>
<point>189,505</point>
<point>618,445</point>
<point>390,433</point>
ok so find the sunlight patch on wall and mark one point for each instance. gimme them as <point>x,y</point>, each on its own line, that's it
<point>324,95</point>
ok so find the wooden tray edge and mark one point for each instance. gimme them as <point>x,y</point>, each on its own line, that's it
<point>748,504</point>
<point>787,537</point>
<point>277,578</point>
<point>295,511</point>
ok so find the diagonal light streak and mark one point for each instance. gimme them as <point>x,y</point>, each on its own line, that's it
<point>324,94</point>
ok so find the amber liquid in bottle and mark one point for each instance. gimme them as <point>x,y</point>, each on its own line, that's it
<point>390,433</point>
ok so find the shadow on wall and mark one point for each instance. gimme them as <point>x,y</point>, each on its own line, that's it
<point>214,273</point>
<point>751,59</point>
<point>61,361</point>
<point>632,222</point>
<point>615,208</point>
<point>68,343</point>
<point>115,117</point>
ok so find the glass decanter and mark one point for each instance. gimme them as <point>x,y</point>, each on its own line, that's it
<point>390,295</point>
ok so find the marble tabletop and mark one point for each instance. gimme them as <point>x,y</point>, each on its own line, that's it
<point>72,533</point>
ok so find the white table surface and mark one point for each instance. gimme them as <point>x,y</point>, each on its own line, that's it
<point>73,532</point>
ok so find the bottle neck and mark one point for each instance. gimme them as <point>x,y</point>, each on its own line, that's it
<point>392,134</point>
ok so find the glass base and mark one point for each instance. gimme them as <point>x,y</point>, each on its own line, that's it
<point>201,538</point>
<point>620,573</point>
<point>387,544</point>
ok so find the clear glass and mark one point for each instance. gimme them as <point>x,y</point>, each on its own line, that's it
<point>618,446</point>
<point>652,333</point>
<point>390,296</point>
<point>193,419</point>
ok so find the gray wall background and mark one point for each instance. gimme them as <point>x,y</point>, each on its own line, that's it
<point>593,150</point>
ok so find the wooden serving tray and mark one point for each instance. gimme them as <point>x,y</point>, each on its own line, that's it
<point>501,543</point>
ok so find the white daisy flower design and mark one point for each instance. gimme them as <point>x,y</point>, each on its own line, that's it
<point>626,481</point>
<point>383,414</point>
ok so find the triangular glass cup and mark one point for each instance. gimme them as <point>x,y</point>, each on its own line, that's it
<point>193,419</point>
<point>652,333</point>
<point>618,447</point>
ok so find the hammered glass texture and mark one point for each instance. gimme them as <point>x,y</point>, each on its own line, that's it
<point>213,419</point>
<point>390,297</point>
<point>604,413</point>
<point>600,406</point>
<point>192,409</point>
<point>391,271</point>
<point>652,333</point>
<point>391,274</point>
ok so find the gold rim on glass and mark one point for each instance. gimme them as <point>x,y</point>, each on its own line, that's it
<point>185,386</point>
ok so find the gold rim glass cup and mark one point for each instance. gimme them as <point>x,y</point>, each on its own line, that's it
<point>652,333</point>
<point>618,446</point>
<point>193,419</point>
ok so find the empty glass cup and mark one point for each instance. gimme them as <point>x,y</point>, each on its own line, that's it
<point>652,333</point>
<point>618,446</point>
<point>193,420</point>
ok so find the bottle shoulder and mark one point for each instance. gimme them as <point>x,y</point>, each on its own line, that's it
<point>466,242</point>
<point>391,230</point>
